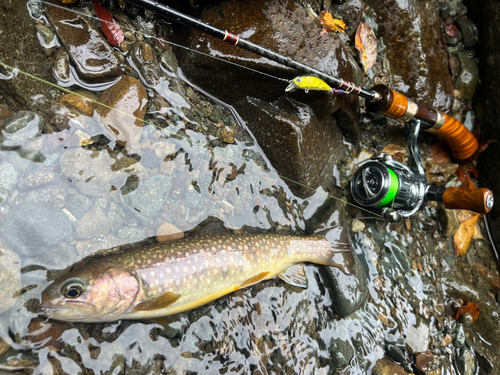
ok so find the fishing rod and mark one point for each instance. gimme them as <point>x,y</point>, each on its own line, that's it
<point>381,183</point>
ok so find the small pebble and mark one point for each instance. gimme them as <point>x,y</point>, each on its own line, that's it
<point>446,340</point>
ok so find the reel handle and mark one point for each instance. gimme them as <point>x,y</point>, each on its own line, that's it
<point>478,200</point>
<point>462,142</point>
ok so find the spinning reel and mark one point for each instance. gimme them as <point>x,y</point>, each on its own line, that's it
<point>399,192</point>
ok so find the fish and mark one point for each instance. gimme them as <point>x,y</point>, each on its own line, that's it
<point>159,280</point>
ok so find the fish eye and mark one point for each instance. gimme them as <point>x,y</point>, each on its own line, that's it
<point>73,289</point>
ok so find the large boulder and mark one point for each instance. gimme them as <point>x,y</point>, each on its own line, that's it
<point>411,31</point>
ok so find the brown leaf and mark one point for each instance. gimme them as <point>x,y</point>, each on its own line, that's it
<point>439,152</point>
<point>470,308</point>
<point>397,152</point>
<point>330,24</point>
<point>366,44</point>
<point>463,236</point>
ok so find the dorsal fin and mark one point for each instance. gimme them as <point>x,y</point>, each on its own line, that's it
<point>295,275</point>
<point>157,303</point>
<point>253,280</point>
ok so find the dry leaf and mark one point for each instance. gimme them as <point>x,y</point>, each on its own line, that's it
<point>477,232</point>
<point>463,236</point>
<point>330,24</point>
<point>470,308</point>
<point>463,215</point>
<point>439,152</point>
<point>366,44</point>
<point>397,152</point>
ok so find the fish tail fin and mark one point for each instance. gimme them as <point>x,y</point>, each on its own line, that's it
<point>340,254</point>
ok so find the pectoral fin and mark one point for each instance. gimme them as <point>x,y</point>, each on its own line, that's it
<point>253,280</point>
<point>157,303</point>
<point>295,275</point>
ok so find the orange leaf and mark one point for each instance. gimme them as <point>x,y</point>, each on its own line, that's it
<point>366,44</point>
<point>470,308</point>
<point>330,24</point>
<point>463,236</point>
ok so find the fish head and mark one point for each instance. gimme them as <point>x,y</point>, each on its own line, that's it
<point>93,293</point>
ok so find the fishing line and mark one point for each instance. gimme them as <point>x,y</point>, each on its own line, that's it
<point>170,42</point>
<point>180,135</point>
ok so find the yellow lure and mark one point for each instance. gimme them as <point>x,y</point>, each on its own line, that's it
<point>308,83</point>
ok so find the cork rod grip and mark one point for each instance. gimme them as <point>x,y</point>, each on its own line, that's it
<point>462,142</point>
<point>478,200</point>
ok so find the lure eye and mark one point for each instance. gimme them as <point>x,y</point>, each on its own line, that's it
<point>73,289</point>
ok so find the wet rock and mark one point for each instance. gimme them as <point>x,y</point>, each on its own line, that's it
<point>45,33</point>
<point>226,134</point>
<point>60,64</point>
<point>31,228</point>
<point>10,277</point>
<point>79,205</point>
<point>449,222</point>
<point>466,363</point>
<point>453,40</point>
<point>417,339</point>
<point>340,349</point>
<point>19,129</point>
<point>132,234</point>
<point>168,61</point>
<point>47,333</point>
<point>418,29</point>
<point>90,53</point>
<point>459,336</point>
<point>168,232</point>
<point>76,101</point>
<point>115,221</point>
<point>422,359</point>
<point>348,292</point>
<point>124,122</point>
<point>42,176</point>
<point>467,78</point>
<point>469,32</point>
<point>8,179</point>
<point>92,225</point>
<point>301,147</point>
<point>387,367</point>
<point>91,171</point>
<point>144,58</point>
<point>357,226</point>
<point>148,199</point>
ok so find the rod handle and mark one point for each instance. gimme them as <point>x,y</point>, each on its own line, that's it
<point>463,144</point>
<point>478,200</point>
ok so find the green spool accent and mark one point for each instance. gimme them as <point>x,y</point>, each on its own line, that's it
<point>393,189</point>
